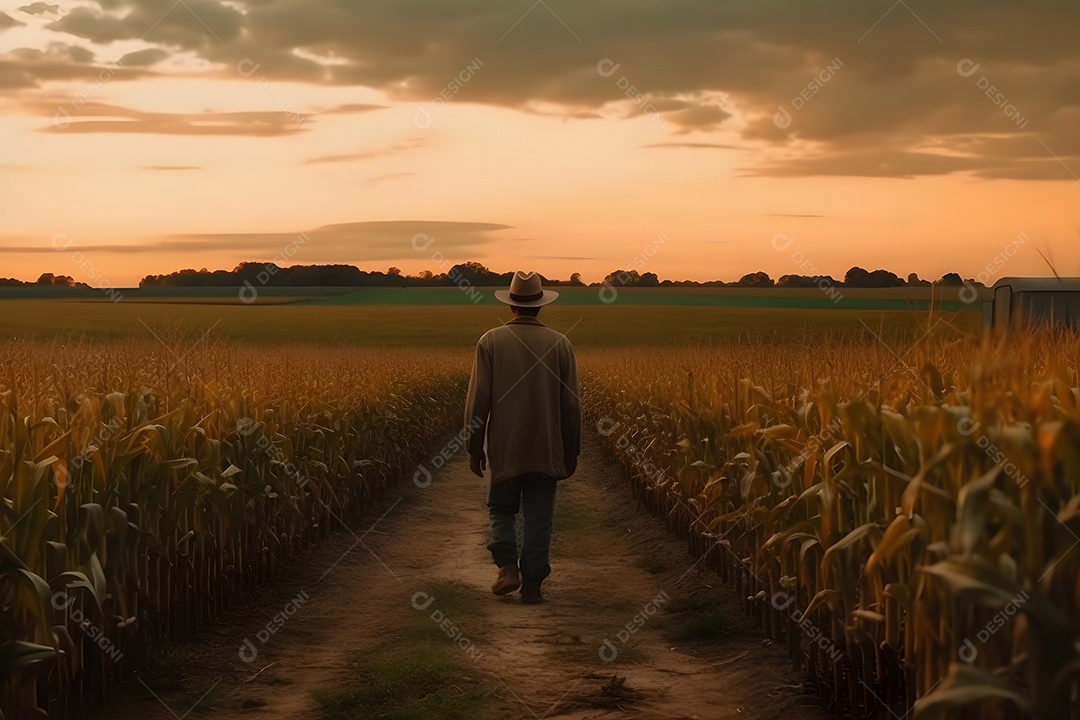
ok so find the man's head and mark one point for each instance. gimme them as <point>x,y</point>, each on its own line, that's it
<point>526,294</point>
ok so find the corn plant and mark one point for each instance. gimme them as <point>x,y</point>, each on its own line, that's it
<point>909,524</point>
<point>145,487</point>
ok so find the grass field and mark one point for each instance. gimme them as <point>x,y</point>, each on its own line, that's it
<point>444,317</point>
<point>793,298</point>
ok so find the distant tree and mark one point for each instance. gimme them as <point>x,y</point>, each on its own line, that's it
<point>951,279</point>
<point>623,278</point>
<point>856,277</point>
<point>805,281</point>
<point>330,276</point>
<point>884,278</point>
<point>475,273</point>
<point>758,279</point>
<point>794,281</point>
<point>57,281</point>
<point>473,268</point>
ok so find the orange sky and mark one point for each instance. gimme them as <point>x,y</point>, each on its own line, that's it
<point>143,137</point>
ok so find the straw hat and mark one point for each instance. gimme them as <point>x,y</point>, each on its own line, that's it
<point>526,291</point>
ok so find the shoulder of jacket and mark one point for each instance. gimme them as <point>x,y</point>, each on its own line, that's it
<point>494,334</point>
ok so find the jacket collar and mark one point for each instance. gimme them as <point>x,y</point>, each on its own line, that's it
<point>525,320</point>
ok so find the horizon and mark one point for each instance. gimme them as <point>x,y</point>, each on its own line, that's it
<point>562,281</point>
<point>142,133</point>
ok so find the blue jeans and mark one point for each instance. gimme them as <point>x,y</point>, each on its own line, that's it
<point>534,495</point>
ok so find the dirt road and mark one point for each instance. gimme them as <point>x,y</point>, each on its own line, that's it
<point>630,627</point>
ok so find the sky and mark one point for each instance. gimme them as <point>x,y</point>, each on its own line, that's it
<point>695,140</point>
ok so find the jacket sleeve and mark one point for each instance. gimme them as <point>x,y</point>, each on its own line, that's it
<point>570,402</point>
<point>478,400</point>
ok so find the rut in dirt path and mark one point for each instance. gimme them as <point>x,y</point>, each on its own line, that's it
<point>631,627</point>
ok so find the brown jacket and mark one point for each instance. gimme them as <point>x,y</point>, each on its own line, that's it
<point>523,396</point>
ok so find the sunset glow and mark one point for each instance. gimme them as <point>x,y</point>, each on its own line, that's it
<point>561,137</point>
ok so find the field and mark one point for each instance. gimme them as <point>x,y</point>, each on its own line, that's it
<point>448,317</point>
<point>891,496</point>
<point>904,518</point>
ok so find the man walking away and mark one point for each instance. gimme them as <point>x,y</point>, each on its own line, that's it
<point>523,398</point>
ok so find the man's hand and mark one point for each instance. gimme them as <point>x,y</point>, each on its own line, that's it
<point>478,463</point>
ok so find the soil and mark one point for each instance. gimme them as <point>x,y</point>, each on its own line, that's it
<point>603,644</point>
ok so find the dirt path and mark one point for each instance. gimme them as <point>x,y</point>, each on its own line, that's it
<point>621,634</point>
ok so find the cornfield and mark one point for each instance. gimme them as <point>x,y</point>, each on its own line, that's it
<point>905,518</point>
<point>145,487</point>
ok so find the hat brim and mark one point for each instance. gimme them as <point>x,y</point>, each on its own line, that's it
<point>549,296</point>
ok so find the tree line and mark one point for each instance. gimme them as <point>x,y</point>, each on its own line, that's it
<point>475,273</point>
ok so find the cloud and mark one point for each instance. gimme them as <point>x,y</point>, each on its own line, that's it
<point>694,146</point>
<point>351,108</point>
<point>875,163</point>
<point>868,86</point>
<point>76,114</point>
<point>698,116</point>
<point>344,242</point>
<point>6,21</point>
<point>95,117</point>
<point>355,241</point>
<point>170,167</point>
<point>40,8</point>
<point>388,176</point>
<point>409,143</point>
<point>30,67</point>
<point>189,25</point>
<point>141,58</point>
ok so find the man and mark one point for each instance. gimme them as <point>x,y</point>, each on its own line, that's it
<point>523,397</point>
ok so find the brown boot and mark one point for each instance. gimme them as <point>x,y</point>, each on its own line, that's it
<point>508,581</point>
<point>530,593</point>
